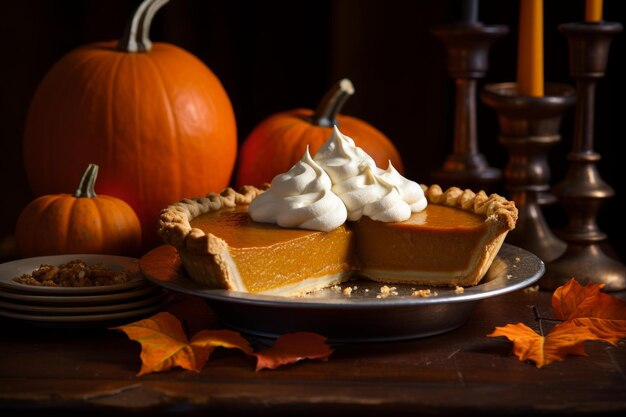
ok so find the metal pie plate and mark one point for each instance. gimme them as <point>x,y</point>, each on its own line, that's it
<point>365,315</point>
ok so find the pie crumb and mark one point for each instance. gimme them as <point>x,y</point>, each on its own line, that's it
<point>459,290</point>
<point>386,291</point>
<point>421,293</point>
<point>531,289</point>
<point>347,291</point>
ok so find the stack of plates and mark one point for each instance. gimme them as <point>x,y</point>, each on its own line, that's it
<point>78,306</point>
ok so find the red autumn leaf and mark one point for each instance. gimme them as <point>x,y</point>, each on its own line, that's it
<point>589,307</point>
<point>563,340</point>
<point>291,348</point>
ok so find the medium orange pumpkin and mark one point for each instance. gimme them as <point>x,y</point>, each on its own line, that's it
<point>81,223</point>
<point>155,119</point>
<point>279,141</point>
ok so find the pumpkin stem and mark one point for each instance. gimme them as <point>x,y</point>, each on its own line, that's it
<point>87,182</point>
<point>137,32</point>
<point>331,104</point>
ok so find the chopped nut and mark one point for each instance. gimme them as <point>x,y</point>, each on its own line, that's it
<point>75,273</point>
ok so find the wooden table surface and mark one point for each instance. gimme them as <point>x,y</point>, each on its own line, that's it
<point>463,372</point>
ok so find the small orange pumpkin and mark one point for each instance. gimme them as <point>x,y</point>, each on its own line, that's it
<point>279,141</point>
<point>80,223</point>
<point>153,116</point>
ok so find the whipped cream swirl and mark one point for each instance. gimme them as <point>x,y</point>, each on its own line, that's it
<point>410,191</point>
<point>341,158</point>
<point>300,198</point>
<point>370,195</point>
<point>346,165</point>
<point>341,182</point>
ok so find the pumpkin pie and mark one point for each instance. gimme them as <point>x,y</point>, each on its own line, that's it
<point>452,242</point>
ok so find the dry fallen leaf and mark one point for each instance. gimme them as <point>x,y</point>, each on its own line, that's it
<point>588,306</point>
<point>587,314</point>
<point>164,345</point>
<point>293,347</point>
<point>530,345</point>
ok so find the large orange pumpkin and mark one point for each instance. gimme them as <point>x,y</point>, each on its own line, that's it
<point>81,223</point>
<point>155,119</point>
<point>279,141</point>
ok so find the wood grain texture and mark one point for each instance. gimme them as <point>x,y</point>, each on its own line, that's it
<point>461,372</point>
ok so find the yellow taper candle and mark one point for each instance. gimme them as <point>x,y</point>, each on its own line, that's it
<point>593,11</point>
<point>530,49</point>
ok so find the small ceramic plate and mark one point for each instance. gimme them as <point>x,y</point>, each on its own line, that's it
<point>14,269</point>
<point>73,309</point>
<point>87,320</point>
<point>96,299</point>
<point>365,315</point>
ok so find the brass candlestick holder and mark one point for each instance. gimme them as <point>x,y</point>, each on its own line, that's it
<point>583,191</point>
<point>529,126</point>
<point>467,45</point>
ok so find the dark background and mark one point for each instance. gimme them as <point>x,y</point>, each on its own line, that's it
<point>277,55</point>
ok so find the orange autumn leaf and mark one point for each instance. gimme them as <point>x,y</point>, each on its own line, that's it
<point>587,313</point>
<point>563,340</point>
<point>589,307</point>
<point>291,348</point>
<point>164,344</point>
<point>221,338</point>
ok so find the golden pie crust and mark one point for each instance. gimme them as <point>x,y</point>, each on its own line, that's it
<point>455,247</point>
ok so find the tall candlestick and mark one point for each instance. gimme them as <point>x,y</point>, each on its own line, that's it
<point>528,127</point>
<point>530,52</point>
<point>467,45</point>
<point>593,11</point>
<point>582,192</point>
<point>469,11</point>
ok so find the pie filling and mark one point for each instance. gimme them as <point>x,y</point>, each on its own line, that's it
<point>264,258</point>
<point>438,243</point>
<point>438,246</point>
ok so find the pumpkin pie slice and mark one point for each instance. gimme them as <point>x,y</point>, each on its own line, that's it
<point>451,242</point>
<point>222,247</point>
